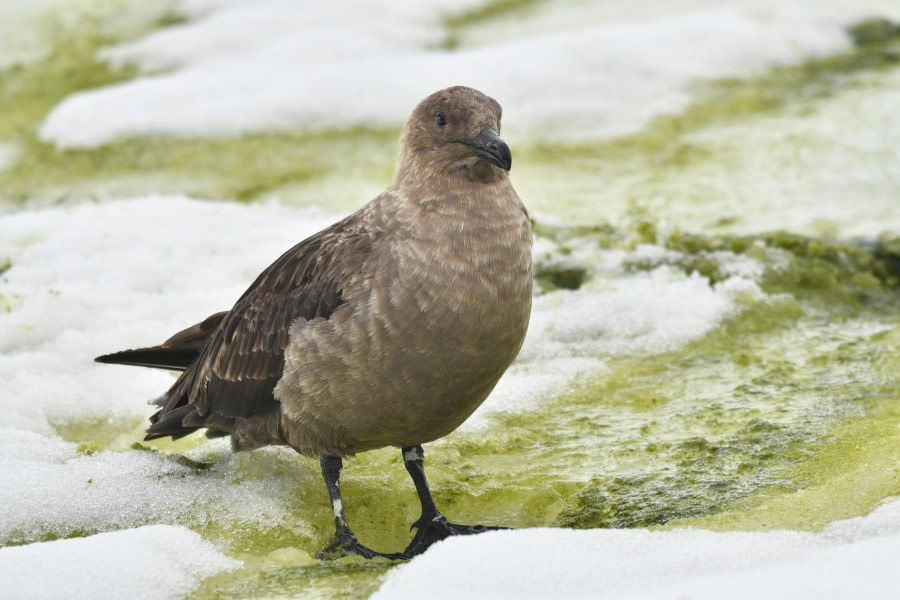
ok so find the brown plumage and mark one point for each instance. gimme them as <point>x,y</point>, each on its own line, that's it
<point>388,328</point>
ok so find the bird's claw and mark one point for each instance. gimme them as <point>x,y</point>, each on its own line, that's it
<point>347,545</point>
<point>430,531</point>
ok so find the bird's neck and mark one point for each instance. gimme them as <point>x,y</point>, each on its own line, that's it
<point>458,195</point>
<point>434,170</point>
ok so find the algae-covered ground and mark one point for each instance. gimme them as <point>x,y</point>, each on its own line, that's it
<point>786,416</point>
<point>783,413</point>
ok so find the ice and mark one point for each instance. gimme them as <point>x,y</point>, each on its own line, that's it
<point>856,558</point>
<point>156,561</point>
<point>270,64</point>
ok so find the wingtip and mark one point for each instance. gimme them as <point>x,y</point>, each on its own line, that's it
<point>114,358</point>
<point>156,357</point>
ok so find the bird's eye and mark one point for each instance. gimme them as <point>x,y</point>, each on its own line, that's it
<point>440,118</point>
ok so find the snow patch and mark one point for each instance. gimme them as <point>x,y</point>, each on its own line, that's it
<point>856,558</point>
<point>246,66</point>
<point>153,562</point>
<point>573,333</point>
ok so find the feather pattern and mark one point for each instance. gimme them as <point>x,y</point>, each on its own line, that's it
<point>243,357</point>
<point>387,328</point>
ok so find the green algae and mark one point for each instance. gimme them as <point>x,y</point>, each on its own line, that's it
<point>672,167</point>
<point>850,475</point>
<point>102,433</point>
<point>29,91</point>
<point>840,273</point>
<point>814,357</point>
<point>786,416</point>
<point>284,574</point>
<point>88,449</point>
<point>300,166</point>
<point>555,277</point>
<point>880,35</point>
<point>245,167</point>
<point>742,423</point>
<point>662,144</point>
<point>249,167</point>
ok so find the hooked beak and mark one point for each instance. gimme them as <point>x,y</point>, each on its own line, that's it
<point>491,147</point>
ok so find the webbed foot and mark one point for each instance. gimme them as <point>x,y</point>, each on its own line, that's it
<point>439,528</point>
<point>346,544</point>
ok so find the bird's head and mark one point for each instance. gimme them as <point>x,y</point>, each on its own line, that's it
<point>455,132</point>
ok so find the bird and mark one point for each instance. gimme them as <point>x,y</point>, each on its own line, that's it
<point>387,328</point>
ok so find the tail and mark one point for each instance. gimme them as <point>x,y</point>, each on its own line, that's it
<point>177,417</point>
<point>185,420</point>
<point>169,424</point>
<point>158,357</point>
<point>176,353</point>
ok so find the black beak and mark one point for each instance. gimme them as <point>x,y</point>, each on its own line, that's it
<point>491,147</point>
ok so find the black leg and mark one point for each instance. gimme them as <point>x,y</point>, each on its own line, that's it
<point>345,542</point>
<point>432,526</point>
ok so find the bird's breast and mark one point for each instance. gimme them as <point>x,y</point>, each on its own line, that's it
<point>468,272</point>
<point>422,342</point>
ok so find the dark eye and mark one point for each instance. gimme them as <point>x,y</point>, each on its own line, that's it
<point>440,118</point>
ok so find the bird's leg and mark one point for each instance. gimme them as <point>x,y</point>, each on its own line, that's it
<point>432,526</point>
<point>345,542</point>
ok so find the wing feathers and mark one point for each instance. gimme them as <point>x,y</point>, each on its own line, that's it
<point>196,333</point>
<point>242,354</point>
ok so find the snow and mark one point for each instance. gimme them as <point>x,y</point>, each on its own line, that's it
<point>572,332</point>
<point>157,561</point>
<point>272,64</point>
<point>94,278</point>
<point>9,155</point>
<point>29,30</point>
<point>855,558</point>
<point>50,490</point>
<point>103,276</point>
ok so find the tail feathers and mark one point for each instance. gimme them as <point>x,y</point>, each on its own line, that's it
<point>159,357</point>
<point>170,424</point>
<point>176,353</point>
<point>184,420</point>
<point>177,417</point>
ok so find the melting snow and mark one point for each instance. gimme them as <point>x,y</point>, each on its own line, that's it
<point>157,561</point>
<point>271,64</point>
<point>856,558</point>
